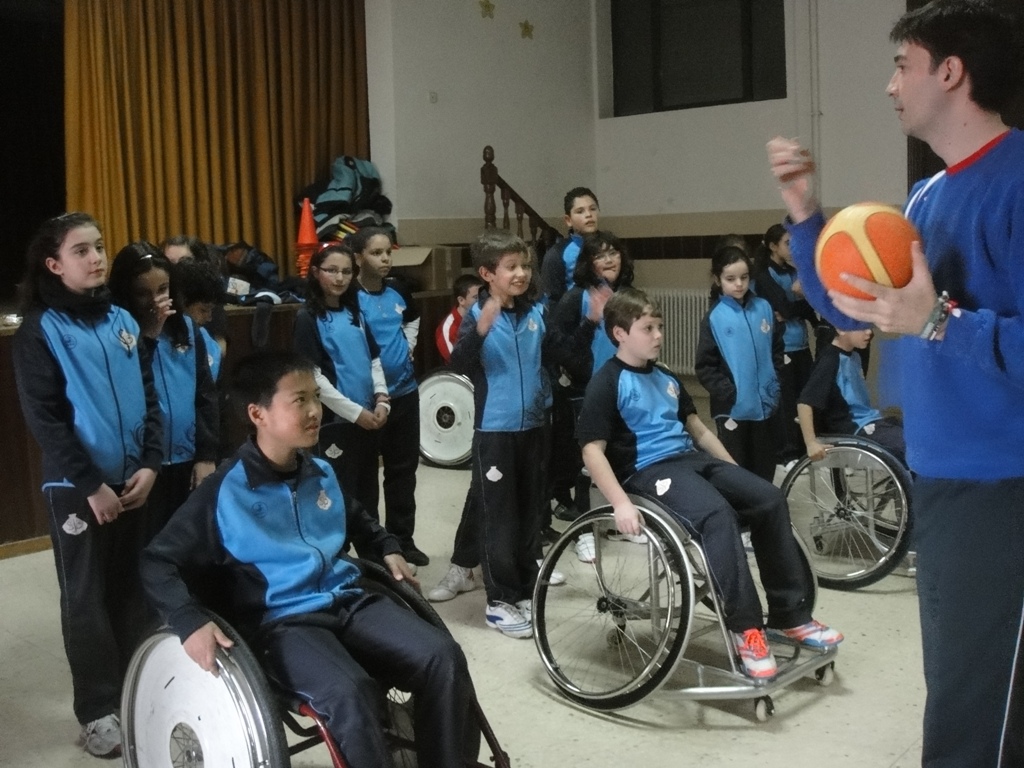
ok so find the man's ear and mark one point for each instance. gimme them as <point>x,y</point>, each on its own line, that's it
<point>568,221</point>
<point>953,73</point>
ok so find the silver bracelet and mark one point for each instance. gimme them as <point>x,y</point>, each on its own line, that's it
<point>937,319</point>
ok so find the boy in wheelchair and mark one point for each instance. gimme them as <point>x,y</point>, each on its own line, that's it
<point>268,529</point>
<point>640,433</point>
<point>836,397</point>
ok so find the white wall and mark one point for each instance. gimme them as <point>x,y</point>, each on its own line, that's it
<point>538,103</point>
<point>531,99</point>
<point>713,159</point>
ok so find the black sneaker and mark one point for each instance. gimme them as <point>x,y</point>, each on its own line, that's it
<point>565,512</point>
<point>415,556</point>
<point>549,536</point>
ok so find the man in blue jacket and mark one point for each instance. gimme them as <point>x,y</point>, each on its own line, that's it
<point>960,361</point>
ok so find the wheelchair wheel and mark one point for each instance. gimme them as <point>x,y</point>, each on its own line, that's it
<point>614,632</point>
<point>174,714</point>
<point>377,579</point>
<point>852,511</point>
<point>446,419</point>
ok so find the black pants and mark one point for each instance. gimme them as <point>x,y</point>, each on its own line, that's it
<point>888,434</point>
<point>565,460</point>
<point>352,453</point>
<point>712,499</point>
<point>466,552</point>
<point>172,487</point>
<point>400,450</point>
<point>510,480</point>
<point>970,583</point>
<point>751,443</point>
<point>336,665</point>
<point>101,607</point>
<point>792,378</point>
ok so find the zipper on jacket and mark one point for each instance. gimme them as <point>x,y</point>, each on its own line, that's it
<point>298,527</point>
<point>117,407</point>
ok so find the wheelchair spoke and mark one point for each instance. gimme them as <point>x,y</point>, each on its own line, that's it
<point>852,513</point>
<point>609,628</point>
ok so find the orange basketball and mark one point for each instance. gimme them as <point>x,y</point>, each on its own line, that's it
<point>869,240</point>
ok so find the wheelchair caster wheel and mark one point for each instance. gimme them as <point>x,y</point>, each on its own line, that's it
<point>825,675</point>
<point>764,708</point>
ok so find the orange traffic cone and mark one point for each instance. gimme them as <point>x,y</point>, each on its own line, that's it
<point>306,243</point>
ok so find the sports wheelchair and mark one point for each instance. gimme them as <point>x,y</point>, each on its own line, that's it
<point>175,715</point>
<point>851,510</point>
<point>446,419</point>
<point>620,627</point>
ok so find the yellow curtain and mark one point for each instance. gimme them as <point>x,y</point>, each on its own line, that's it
<point>207,117</point>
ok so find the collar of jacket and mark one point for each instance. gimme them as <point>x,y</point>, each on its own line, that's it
<point>259,472</point>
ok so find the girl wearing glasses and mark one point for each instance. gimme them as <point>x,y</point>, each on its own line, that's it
<point>580,347</point>
<point>331,331</point>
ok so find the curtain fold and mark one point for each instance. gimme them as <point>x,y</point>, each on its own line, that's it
<point>207,117</point>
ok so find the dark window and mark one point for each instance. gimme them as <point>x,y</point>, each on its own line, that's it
<point>677,54</point>
<point>32,129</point>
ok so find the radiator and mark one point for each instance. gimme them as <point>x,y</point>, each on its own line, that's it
<point>683,310</point>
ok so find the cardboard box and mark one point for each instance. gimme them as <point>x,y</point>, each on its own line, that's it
<point>429,267</point>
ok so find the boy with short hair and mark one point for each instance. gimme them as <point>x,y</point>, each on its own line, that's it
<point>640,433</point>
<point>581,215</point>
<point>837,396</point>
<point>272,524</point>
<point>500,349</point>
<point>464,291</point>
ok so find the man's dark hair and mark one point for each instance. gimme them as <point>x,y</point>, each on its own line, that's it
<point>986,35</point>
<point>256,376</point>
<point>463,283</point>
<point>572,194</point>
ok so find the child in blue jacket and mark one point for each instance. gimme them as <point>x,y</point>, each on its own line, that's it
<point>738,355</point>
<point>86,389</point>
<point>500,348</point>
<point>273,523</point>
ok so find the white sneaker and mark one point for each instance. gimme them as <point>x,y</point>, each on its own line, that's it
<point>636,538</point>
<point>457,580</point>
<point>102,738</point>
<point>508,620</point>
<point>555,578</point>
<point>586,548</point>
<point>526,608</point>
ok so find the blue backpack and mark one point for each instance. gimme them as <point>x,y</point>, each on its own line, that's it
<point>354,186</point>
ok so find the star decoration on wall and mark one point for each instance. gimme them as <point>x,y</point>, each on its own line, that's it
<point>486,9</point>
<point>526,29</point>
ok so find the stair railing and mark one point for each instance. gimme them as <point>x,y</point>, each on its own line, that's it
<point>541,234</point>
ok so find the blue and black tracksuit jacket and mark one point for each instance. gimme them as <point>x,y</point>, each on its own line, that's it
<point>386,312</point>
<point>188,398</point>
<point>276,544</point>
<point>511,388</point>
<point>739,352</point>
<point>86,389</point>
